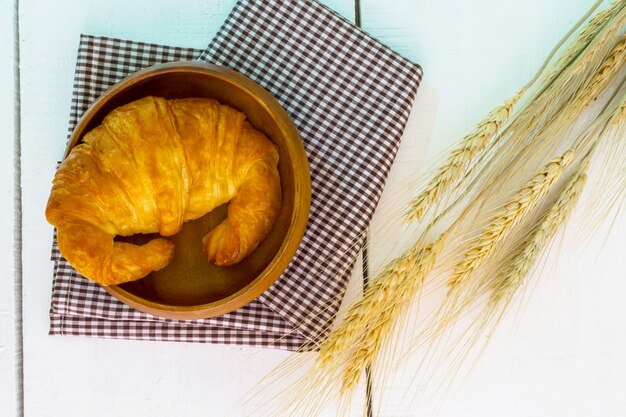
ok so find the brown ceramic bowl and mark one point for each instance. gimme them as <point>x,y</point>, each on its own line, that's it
<point>190,288</point>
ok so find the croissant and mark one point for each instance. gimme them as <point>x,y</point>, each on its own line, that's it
<point>152,165</point>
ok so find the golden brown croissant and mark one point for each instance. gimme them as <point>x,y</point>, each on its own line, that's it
<point>150,166</point>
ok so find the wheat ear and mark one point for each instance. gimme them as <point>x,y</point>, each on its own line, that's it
<point>408,272</point>
<point>603,76</point>
<point>461,157</point>
<point>584,37</point>
<point>343,338</point>
<point>522,203</point>
<point>404,272</point>
<point>507,283</point>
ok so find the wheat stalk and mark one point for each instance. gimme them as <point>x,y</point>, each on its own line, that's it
<point>573,72</point>
<point>361,313</point>
<point>584,37</point>
<point>509,281</point>
<point>461,157</point>
<point>522,203</point>
<point>590,90</point>
<point>585,144</point>
<point>501,290</point>
<point>610,67</point>
<point>593,41</point>
<point>403,275</point>
<point>485,162</point>
<point>407,273</point>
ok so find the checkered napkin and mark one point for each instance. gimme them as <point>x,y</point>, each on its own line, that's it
<point>350,98</point>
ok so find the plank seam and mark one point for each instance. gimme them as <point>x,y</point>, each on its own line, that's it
<point>17,216</point>
<point>365,263</point>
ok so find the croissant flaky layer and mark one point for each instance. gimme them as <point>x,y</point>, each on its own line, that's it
<point>152,165</point>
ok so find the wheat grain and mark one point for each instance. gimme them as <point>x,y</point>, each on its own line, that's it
<point>523,201</point>
<point>587,66</point>
<point>506,284</point>
<point>592,40</point>
<point>611,66</point>
<point>409,272</point>
<point>359,316</point>
<point>582,56</point>
<point>403,275</point>
<point>555,97</point>
<point>590,91</point>
<point>362,311</point>
<point>584,37</point>
<point>461,157</point>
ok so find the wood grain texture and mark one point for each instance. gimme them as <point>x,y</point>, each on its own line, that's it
<point>69,376</point>
<point>9,383</point>
<point>474,54</point>
<point>559,355</point>
<point>566,356</point>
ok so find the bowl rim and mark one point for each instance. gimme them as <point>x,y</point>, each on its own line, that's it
<point>302,184</point>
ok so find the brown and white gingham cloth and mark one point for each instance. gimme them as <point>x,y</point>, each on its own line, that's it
<point>349,96</point>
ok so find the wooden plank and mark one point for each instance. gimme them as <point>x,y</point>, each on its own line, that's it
<point>69,376</point>
<point>474,54</point>
<point>565,355</point>
<point>9,385</point>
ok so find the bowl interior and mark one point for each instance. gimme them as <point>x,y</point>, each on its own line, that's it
<point>189,284</point>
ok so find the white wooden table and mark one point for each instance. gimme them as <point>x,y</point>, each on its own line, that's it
<point>566,355</point>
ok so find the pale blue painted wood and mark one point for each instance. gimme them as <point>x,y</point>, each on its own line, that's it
<point>474,53</point>
<point>566,356</point>
<point>8,342</point>
<point>69,377</point>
